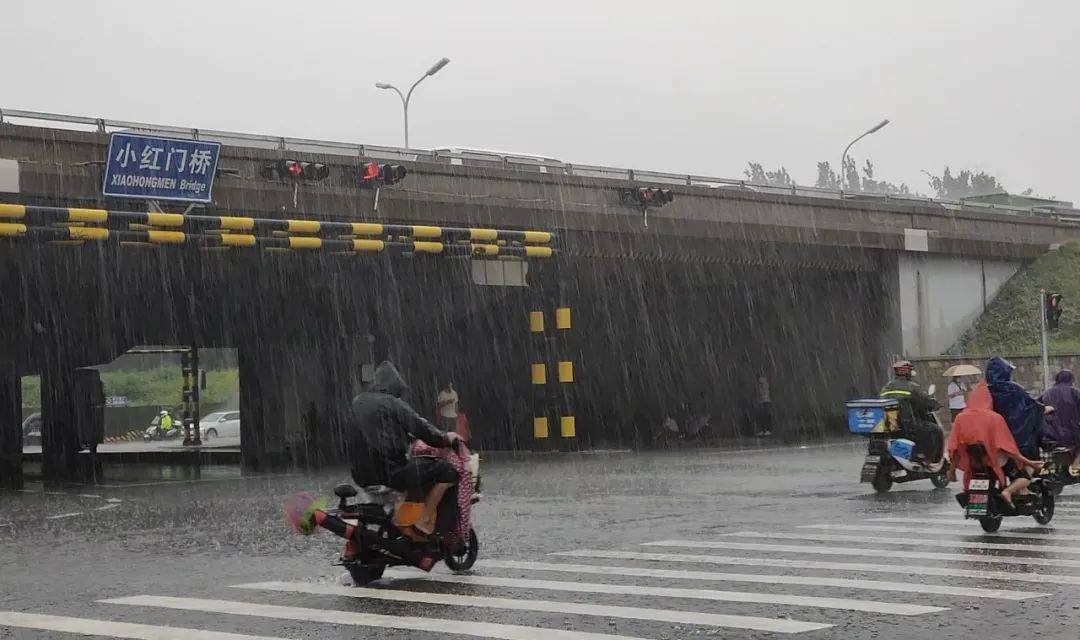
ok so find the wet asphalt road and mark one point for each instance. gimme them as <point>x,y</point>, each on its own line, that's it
<point>771,543</point>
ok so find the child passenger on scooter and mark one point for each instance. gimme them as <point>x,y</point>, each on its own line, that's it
<point>978,423</point>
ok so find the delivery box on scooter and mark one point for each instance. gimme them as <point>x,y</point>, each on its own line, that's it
<point>873,415</point>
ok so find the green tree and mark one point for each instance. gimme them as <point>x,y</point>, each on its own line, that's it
<point>965,184</point>
<point>826,177</point>
<point>756,174</point>
<point>853,181</point>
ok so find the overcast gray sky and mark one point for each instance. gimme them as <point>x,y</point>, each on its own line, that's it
<point>676,86</point>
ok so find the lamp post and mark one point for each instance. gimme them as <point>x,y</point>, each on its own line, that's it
<point>405,97</point>
<point>843,158</point>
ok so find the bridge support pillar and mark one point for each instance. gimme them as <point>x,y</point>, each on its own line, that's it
<point>59,427</point>
<point>11,437</point>
<point>294,399</point>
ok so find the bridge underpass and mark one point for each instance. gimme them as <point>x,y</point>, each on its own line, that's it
<point>687,321</point>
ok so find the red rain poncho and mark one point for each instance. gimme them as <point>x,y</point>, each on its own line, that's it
<point>980,424</point>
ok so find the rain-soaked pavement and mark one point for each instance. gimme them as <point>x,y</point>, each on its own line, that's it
<point>682,544</point>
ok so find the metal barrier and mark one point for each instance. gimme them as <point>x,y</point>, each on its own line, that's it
<point>50,224</point>
<point>489,158</point>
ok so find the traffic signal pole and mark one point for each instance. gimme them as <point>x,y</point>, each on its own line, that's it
<point>1045,349</point>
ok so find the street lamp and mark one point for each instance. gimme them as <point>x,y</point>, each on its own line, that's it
<point>843,158</point>
<point>405,97</point>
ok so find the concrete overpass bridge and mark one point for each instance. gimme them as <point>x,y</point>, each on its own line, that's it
<point>684,304</point>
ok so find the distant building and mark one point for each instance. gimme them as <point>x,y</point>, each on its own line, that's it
<point>1019,201</point>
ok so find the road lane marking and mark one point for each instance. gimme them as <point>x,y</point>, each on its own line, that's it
<point>107,628</point>
<point>673,616</point>
<point>811,581</point>
<point>846,604</point>
<point>921,541</point>
<point>965,532</point>
<point>356,619</point>
<point>871,567</point>
<point>61,516</point>
<point>1037,529</point>
<point>854,551</point>
<point>957,515</point>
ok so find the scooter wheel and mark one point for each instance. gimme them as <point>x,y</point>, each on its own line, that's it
<point>463,557</point>
<point>365,573</point>
<point>990,525</point>
<point>941,480</point>
<point>1045,513</point>
<point>882,481</point>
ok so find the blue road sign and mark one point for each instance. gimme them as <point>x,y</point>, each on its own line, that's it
<point>156,168</point>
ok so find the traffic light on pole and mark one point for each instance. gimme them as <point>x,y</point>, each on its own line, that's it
<point>295,170</point>
<point>373,175</point>
<point>647,196</point>
<point>1053,308</point>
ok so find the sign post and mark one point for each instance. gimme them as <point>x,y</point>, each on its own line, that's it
<point>1045,350</point>
<point>155,168</point>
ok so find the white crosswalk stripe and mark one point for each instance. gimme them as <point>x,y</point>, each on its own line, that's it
<point>856,551</point>
<point>1026,524</point>
<point>846,604</point>
<point>107,628</point>
<point>942,531</point>
<point>549,606</point>
<point>758,578</point>
<point>869,567</point>
<point>332,616</point>
<point>921,541</point>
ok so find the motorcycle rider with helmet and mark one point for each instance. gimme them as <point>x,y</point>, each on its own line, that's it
<point>916,408</point>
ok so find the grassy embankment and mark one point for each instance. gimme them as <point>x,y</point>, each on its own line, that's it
<point>1010,324</point>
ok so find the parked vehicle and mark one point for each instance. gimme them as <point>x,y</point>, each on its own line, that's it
<point>982,499</point>
<point>888,456</point>
<point>220,424</point>
<point>31,429</point>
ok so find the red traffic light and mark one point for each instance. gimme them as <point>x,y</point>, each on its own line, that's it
<point>295,170</point>
<point>647,196</point>
<point>388,174</point>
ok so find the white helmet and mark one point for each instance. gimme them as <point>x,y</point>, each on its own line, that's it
<point>163,413</point>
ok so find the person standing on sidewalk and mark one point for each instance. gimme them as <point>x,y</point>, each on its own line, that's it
<point>764,406</point>
<point>957,390</point>
<point>448,407</point>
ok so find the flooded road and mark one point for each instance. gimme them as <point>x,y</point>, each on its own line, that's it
<point>680,544</point>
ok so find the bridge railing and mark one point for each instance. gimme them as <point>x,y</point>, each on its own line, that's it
<point>497,159</point>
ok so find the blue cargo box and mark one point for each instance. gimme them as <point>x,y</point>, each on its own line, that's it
<point>871,415</point>
<point>901,448</point>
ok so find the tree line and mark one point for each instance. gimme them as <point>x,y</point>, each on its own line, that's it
<point>947,185</point>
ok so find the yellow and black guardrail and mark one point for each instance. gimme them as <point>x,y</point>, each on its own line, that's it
<point>145,227</point>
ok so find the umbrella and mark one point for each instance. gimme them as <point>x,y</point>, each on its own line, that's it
<point>961,370</point>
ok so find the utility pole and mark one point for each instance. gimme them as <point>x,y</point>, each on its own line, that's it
<point>1045,350</point>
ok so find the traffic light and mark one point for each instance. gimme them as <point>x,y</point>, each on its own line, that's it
<point>647,196</point>
<point>373,175</point>
<point>295,170</point>
<point>392,173</point>
<point>1053,308</point>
